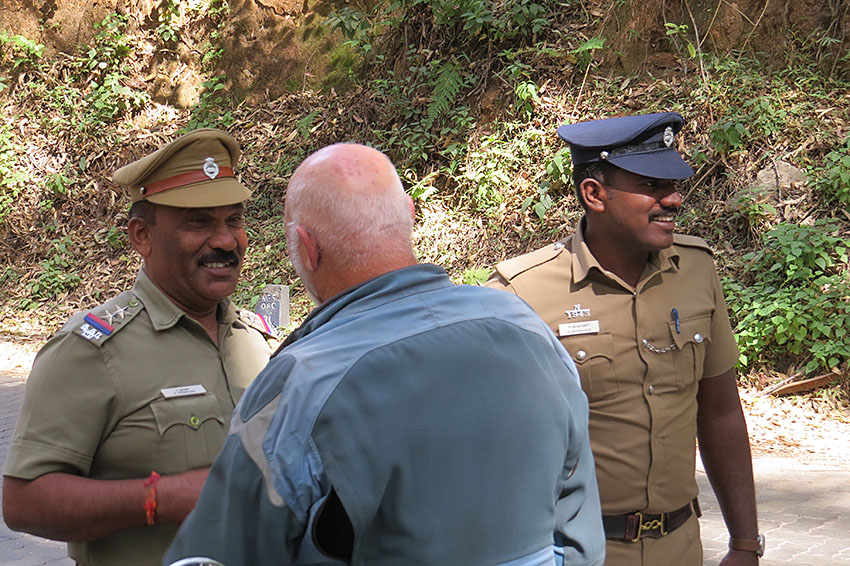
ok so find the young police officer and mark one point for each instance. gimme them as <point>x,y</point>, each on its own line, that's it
<point>642,314</point>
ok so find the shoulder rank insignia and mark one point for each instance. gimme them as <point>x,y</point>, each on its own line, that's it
<point>692,242</point>
<point>95,327</point>
<point>512,267</point>
<point>257,322</point>
<point>100,324</point>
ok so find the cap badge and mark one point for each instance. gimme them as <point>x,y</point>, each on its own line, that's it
<point>668,136</point>
<point>211,167</point>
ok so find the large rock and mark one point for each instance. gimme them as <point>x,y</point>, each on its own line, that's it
<point>781,175</point>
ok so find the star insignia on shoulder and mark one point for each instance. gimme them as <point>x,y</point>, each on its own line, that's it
<point>119,312</point>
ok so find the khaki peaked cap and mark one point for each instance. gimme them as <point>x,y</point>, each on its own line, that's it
<point>192,171</point>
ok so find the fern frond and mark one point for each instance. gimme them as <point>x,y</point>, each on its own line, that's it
<point>446,87</point>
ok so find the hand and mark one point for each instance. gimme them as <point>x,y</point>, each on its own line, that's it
<point>740,558</point>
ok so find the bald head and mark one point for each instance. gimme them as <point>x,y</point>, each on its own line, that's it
<point>348,201</point>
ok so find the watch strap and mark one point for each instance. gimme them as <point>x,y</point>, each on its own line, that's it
<point>749,545</point>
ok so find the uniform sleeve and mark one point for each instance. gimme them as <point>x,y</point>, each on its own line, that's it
<point>234,520</point>
<point>65,410</point>
<point>722,353</point>
<point>579,535</point>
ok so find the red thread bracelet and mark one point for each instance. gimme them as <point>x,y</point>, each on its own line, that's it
<point>150,502</point>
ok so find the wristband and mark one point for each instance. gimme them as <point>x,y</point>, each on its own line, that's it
<point>150,502</point>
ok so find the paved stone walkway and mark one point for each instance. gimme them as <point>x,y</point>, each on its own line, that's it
<point>804,513</point>
<point>804,509</point>
<point>19,549</point>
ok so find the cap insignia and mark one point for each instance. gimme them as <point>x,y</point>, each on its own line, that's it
<point>668,136</point>
<point>211,167</point>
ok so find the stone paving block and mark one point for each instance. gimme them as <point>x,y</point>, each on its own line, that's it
<point>834,529</point>
<point>10,545</point>
<point>33,560</point>
<point>806,524</point>
<point>788,550</point>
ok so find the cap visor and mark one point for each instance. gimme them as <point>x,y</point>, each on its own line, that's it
<point>664,164</point>
<point>220,192</point>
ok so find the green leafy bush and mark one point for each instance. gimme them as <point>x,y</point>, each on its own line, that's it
<point>13,177</point>
<point>25,50</point>
<point>728,134</point>
<point>793,302</point>
<point>424,96</point>
<point>213,109</point>
<point>108,97</point>
<point>88,90</point>
<point>833,179</point>
<point>558,172</point>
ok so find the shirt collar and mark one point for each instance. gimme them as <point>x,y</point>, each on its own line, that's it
<point>584,262</point>
<point>374,292</point>
<point>163,312</point>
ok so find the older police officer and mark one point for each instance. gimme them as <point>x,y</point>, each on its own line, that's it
<point>129,403</point>
<point>642,313</point>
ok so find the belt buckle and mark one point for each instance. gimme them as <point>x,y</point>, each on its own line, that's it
<point>659,524</point>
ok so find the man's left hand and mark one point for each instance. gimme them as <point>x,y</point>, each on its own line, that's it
<point>740,558</point>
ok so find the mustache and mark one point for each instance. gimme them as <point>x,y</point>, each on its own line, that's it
<point>220,257</point>
<point>666,211</point>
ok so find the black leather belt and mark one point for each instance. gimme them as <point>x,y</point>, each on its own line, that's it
<point>635,526</point>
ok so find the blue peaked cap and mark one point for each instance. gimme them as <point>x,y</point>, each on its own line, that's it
<point>642,144</point>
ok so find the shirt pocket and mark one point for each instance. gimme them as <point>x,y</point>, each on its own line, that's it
<point>593,355</point>
<point>191,431</point>
<point>691,342</point>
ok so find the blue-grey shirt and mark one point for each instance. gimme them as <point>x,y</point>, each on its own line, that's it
<point>448,420</point>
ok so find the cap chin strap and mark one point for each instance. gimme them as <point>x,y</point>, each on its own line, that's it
<point>637,148</point>
<point>184,179</point>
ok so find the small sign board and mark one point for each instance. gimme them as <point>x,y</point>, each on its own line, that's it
<point>274,305</point>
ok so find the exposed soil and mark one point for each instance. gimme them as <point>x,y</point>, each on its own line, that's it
<point>807,429</point>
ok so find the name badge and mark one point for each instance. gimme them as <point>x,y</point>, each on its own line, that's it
<point>183,391</point>
<point>573,328</point>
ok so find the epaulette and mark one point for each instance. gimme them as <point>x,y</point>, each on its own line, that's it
<point>510,268</point>
<point>102,323</point>
<point>257,322</point>
<point>692,242</point>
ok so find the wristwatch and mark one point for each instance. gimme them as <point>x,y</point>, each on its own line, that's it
<point>750,545</point>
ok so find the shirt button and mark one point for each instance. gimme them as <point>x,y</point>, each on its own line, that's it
<point>651,389</point>
<point>698,338</point>
<point>580,355</point>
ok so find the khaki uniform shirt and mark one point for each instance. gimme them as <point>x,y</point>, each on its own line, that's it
<point>94,404</point>
<point>640,370</point>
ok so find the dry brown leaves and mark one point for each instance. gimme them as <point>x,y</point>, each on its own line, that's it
<point>803,427</point>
